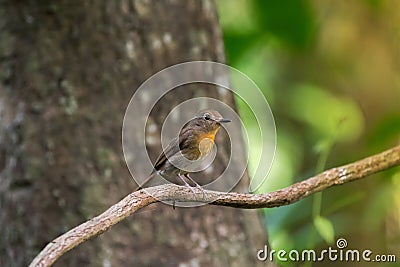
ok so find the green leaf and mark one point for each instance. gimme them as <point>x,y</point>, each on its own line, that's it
<point>325,229</point>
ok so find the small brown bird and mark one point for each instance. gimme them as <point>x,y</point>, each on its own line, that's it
<point>195,142</point>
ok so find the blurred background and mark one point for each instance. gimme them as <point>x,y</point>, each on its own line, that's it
<point>329,69</point>
<point>331,73</point>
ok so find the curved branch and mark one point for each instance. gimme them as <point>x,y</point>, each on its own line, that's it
<point>145,197</point>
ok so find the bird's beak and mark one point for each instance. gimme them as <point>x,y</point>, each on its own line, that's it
<point>223,120</point>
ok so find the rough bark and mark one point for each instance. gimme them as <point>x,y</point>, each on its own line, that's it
<point>67,71</point>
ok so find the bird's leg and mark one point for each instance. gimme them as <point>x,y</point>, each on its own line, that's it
<point>186,183</point>
<point>197,185</point>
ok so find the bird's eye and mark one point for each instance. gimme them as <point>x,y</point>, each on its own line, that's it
<point>207,116</point>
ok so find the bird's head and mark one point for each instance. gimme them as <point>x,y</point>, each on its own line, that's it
<point>208,122</point>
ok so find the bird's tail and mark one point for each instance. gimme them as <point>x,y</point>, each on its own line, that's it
<point>140,186</point>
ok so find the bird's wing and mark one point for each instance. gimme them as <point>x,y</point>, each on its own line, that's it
<point>171,149</point>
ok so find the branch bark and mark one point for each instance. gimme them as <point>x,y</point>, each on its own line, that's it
<point>140,199</point>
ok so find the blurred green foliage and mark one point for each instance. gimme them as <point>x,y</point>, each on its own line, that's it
<point>291,23</point>
<point>331,73</point>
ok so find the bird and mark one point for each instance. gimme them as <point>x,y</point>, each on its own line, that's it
<point>194,142</point>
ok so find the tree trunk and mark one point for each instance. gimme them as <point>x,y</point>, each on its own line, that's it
<point>67,72</point>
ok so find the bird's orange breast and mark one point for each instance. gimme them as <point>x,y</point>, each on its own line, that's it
<point>205,146</point>
<point>211,134</point>
<point>206,142</point>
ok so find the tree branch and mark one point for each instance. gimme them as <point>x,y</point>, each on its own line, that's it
<point>145,197</point>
